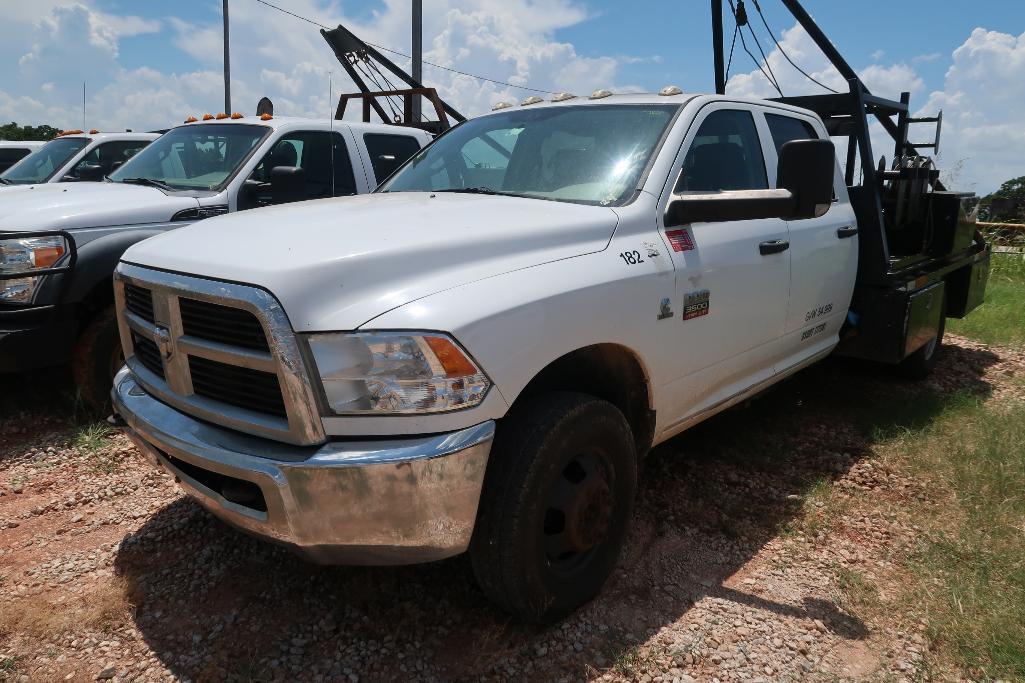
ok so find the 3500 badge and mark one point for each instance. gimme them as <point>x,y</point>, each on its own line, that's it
<point>695,304</point>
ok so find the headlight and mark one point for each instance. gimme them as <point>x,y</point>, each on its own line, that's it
<point>31,253</point>
<point>23,256</point>
<point>396,372</point>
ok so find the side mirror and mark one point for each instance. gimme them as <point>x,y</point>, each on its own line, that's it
<point>287,184</point>
<point>806,169</point>
<point>804,181</point>
<point>116,165</point>
<point>90,173</point>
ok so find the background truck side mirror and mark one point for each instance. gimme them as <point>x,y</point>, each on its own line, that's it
<point>90,173</point>
<point>804,182</point>
<point>287,184</point>
<point>806,169</point>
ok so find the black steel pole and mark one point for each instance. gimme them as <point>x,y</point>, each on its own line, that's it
<point>227,62</point>
<point>816,34</point>
<point>720,68</point>
<point>418,54</point>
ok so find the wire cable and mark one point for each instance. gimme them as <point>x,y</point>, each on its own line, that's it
<point>733,44</point>
<point>765,59</point>
<point>405,56</point>
<point>743,44</point>
<point>786,56</point>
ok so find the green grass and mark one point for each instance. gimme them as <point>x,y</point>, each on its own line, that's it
<point>970,562</point>
<point>1001,320</point>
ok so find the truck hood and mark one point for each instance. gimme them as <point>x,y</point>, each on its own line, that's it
<point>67,206</point>
<point>335,264</point>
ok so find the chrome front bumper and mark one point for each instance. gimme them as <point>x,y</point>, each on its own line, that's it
<point>398,501</point>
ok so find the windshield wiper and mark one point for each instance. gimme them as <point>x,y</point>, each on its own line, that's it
<point>468,190</point>
<point>149,182</point>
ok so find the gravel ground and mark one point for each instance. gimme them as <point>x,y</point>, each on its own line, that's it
<point>734,568</point>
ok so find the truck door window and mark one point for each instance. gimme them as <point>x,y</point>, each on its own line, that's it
<point>725,155</point>
<point>108,154</point>
<point>40,166</point>
<point>311,151</point>
<point>785,129</point>
<point>388,152</point>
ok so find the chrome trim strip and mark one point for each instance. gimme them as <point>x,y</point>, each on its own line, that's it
<point>303,425</point>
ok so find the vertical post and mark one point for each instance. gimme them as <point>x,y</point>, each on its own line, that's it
<point>720,67</point>
<point>83,105</point>
<point>227,61</point>
<point>418,55</point>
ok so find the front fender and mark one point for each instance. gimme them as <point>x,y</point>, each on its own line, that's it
<point>96,262</point>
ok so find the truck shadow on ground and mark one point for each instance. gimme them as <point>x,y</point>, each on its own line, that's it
<point>214,604</point>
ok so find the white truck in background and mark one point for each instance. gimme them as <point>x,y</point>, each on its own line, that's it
<point>13,151</point>
<point>60,242</point>
<point>75,156</point>
<point>476,356</point>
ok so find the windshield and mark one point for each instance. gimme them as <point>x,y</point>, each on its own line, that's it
<point>42,164</point>
<point>591,154</point>
<point>194,157</point>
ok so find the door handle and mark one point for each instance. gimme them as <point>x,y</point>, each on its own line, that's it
<point>773,247</point>
<point>844,233</point>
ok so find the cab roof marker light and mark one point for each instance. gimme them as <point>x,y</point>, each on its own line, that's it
<point>670,90</point>
<point>191,119</point>
<point>600,94</point>
<point>500,105</point>
<point>265,117</point>
<point>208,117</point>
<point>563,96</point>
<point>236,115</point>
<point>93,131</point>
<point>221,116</point>
<point>533,99</point>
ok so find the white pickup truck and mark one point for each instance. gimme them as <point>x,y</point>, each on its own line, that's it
<point>475,356</point>
<point>13,151</point>
<point>59,243</point>
<point>76,156</point>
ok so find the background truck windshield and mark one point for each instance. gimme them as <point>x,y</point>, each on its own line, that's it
<point>195,156</point>
<point>590,154</point>
<point>40,166</point>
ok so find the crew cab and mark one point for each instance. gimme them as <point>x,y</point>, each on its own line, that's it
<point>59,243</point>
<point>547,291</point>
<point>13,151</point>
<point>75,156</point>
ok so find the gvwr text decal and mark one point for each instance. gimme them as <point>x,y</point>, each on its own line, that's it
<point>695,304</point>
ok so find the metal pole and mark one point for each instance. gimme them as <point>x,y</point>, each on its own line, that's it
<point>720,68</point>
<point>83,105</point>
<point>227,62</point>
<point>418,54</point>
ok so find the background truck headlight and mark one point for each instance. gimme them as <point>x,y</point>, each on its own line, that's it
<point>396,372</point>
<point>25,255</point>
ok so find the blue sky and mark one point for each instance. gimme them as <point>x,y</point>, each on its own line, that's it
<point>149,64</point>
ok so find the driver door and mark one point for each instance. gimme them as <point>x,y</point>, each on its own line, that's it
<point>732,292</point>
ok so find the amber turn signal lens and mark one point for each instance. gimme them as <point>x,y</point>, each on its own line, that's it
<point>45,257</point>
<point>456,364</point>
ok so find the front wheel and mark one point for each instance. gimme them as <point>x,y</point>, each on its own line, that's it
<point>557,502</point>
<point>97,359</point>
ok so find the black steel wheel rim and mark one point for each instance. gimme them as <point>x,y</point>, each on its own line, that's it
<point>579,511</point>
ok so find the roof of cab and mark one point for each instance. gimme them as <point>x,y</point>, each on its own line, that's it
<point>290,122</point>
<point>678,98</point>
<point>101,137</point>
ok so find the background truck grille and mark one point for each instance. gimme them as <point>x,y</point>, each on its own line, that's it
<point>148,354</point>
<point>139,301</point>
<point>224,324</point>
<point>241,387</point>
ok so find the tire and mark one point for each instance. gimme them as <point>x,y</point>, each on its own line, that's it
<point>556,507</point>
<point>97,357</point>
<point>921,363</point>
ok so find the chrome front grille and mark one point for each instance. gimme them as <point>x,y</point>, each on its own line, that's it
<point>220,351</point>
